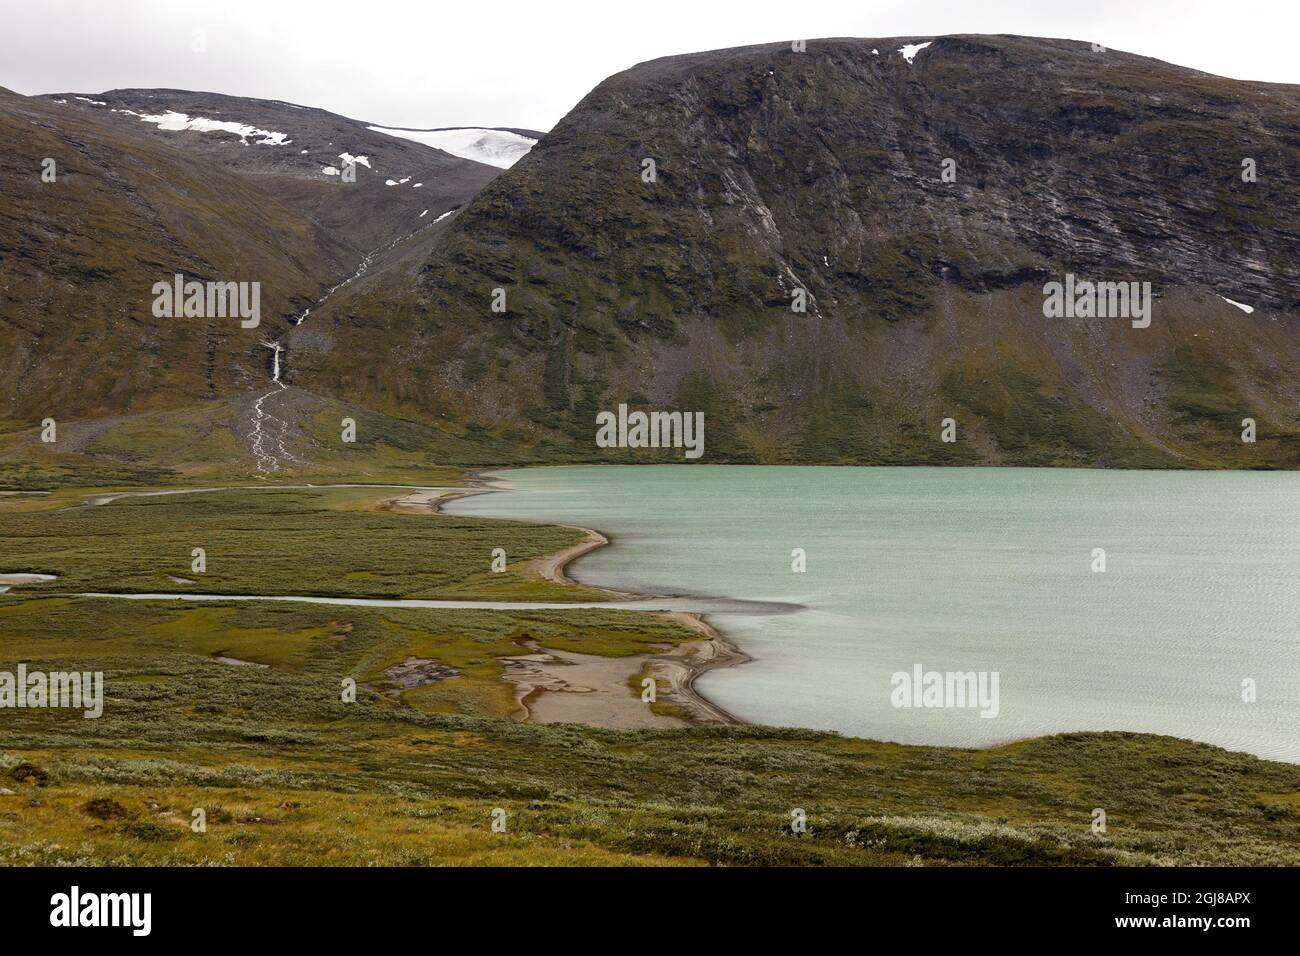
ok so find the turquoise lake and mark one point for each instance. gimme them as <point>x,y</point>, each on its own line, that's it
<point>956,569</point>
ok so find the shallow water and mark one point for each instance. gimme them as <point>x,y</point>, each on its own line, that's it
<point>966,570</point>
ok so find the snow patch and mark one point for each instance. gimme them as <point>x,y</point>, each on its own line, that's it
<point>349,158</point>
<point>87,99</point>
<point>329,171</point>
<point>910,50</point>
<point>1244,308</point>
<point>492,146</point>
<point>179,122</point>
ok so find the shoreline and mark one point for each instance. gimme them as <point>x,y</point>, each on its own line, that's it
<point>598,691</point>
<point>679,666</point>
<point>593,690</point>
<point>692,666</point>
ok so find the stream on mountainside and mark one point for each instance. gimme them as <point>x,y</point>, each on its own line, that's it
<point>267,458</point>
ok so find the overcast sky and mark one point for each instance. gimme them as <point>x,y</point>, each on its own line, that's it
<point>506,63</point>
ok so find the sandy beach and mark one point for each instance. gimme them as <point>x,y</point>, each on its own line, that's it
<point>558,687</point>
<point>428,501</point>
<point>569,687</point>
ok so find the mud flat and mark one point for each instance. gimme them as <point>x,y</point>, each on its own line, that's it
<point>569,687</point>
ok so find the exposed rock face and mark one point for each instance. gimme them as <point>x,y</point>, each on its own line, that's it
<point>823,171</point>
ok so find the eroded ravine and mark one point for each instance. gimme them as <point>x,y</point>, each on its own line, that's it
<point>269,432</point>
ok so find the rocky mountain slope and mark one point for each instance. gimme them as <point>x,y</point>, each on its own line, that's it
<point>919,193</point>
<point>823,170</point>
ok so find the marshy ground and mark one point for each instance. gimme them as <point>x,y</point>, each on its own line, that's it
<point>411,772</point>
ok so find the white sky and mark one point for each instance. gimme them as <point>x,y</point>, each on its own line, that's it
<point>510,63</point>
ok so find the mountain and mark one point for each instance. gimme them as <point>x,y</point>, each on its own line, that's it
<point>151,183</point>
<point>299,153</point>
<point>822,171</point>
<point>920,192</point>
<point>79,255</point>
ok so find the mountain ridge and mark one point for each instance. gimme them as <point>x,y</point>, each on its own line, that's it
<point>758,147</point>
<point>822,171</point>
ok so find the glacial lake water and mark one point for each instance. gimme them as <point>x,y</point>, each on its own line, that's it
<point>958,569</point>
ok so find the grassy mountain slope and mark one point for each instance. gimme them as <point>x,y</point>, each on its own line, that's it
<point>79,256</point>
<point>363,216</point>
<point>142,398</point>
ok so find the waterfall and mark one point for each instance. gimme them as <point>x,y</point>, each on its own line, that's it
<point>275,368</point>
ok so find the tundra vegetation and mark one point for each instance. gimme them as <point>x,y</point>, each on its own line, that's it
<point>287,772</point>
